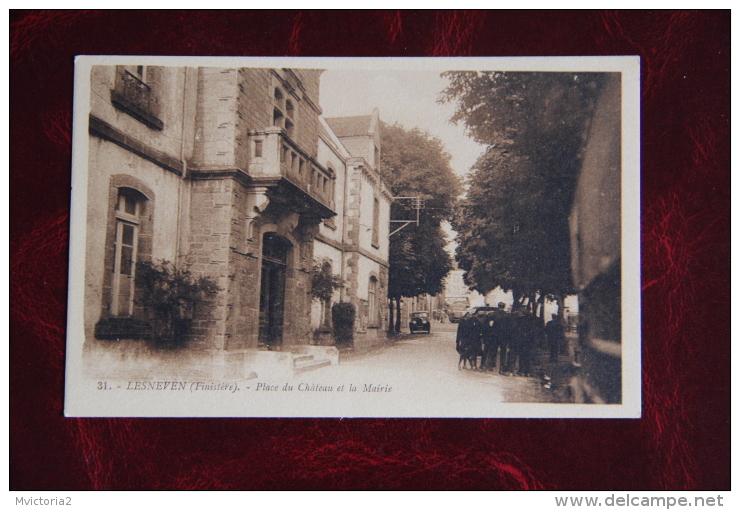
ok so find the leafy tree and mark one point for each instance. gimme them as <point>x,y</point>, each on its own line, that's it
<point>323,281</point>
<point>414,163</point>
<point>513,224</point>
<point>171,297</point>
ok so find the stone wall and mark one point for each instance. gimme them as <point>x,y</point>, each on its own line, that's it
<point>216,118</point>
<point>211,203</point>
<point>254,108</point>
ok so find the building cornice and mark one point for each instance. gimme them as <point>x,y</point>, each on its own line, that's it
<point>374,258</point>
<point>343,248</point>
<point>331,242</point>
<point>210,174</point>
<point>101,129</point>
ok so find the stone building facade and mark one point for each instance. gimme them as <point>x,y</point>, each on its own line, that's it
<point>233,173</point>
<point>366,225</point>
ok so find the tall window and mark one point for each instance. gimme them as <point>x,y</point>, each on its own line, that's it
<point>372,291</point>
<point>376,222</point>
<point>128,209</point>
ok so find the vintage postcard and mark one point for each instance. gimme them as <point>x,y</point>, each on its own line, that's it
<point>355,237</point>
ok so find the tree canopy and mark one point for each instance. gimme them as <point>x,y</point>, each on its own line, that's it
<point>414,163</point>
<point>513,223</point>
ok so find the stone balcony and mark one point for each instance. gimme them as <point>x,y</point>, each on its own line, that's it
<point>275,156</point>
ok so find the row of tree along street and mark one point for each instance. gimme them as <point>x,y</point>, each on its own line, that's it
<point>414,163</point>
<point>512,225</point>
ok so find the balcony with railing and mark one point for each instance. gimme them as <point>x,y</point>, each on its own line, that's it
<point>276,156</point>
<point>136,98</point>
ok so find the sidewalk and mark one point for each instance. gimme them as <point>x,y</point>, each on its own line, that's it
<point>360,348</point>
<point>555,376</point>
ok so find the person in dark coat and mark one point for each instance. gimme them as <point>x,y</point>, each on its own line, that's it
<point>514,337</point>
<point>530,333</point>
<point>488,343</point>
<point>468,342</point>
<point>506,335</point>
<point>525,332</point>
<point>493,338</point>
<point>555,337</point>
<point>474,339</point>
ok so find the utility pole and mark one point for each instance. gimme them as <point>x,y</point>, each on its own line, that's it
<point>409,203</point>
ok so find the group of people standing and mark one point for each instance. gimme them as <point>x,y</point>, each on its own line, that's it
<point>506,339</point>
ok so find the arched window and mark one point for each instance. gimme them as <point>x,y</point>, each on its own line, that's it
<point>376,223</point>
<point>372,292</point>
<point>125,249</point>
<point>283,113</point>
<point>128,240</point>
<point>277,117</point>
<point>289,108</point>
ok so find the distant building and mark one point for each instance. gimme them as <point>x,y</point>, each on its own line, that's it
<point>358,238</point>
<point>457,290</point>
<point>233,173</point>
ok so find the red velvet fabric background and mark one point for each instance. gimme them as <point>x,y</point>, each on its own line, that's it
<point>682,441</point>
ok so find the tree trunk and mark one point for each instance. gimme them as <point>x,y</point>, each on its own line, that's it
<point>391,328</point>
<point>398,315</point>
<point>541,301</point>
<point>561,309</point>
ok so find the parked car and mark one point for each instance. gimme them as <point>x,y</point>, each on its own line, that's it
<point>420,322</point>
<point>479,311</point>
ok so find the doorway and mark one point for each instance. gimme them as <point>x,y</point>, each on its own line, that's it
<point>275,251</point>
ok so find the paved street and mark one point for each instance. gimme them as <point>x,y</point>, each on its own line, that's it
<point>422,364</point>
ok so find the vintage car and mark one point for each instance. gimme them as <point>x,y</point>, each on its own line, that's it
<point>420,322</point>
<point>480,312</point>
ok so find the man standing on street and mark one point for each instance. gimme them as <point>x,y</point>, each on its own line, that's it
<point>555,336</point>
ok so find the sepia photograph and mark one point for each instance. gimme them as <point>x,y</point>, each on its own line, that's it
<point>360,237</point>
